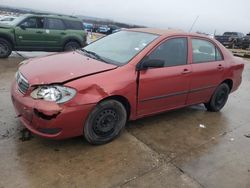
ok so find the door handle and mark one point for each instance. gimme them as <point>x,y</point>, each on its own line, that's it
<point>39,32</point>
<point>186,71</point>
<point>220,67</point>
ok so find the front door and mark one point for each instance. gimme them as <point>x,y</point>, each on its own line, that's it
<point>31,33</point>
<point>165,88</point>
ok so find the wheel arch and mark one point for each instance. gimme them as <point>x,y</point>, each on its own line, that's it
<point>229,82</point>
<point>123,100</point>
<point>8,38</point>
<point>72,39</point>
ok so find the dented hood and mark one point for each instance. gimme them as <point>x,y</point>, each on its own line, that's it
<point>59,68</point>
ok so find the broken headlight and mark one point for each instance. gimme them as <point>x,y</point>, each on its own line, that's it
<point>55,93</point>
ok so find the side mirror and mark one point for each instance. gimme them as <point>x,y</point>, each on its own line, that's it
<point>154,63</point>
<point>22,27</point>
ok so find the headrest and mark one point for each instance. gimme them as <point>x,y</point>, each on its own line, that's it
<point>206,49</point>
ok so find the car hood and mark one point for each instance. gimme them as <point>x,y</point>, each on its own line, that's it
<point>60,68</point>
<point>5,25</point>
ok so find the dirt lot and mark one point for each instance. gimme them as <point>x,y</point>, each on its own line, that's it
<point>189,147</point>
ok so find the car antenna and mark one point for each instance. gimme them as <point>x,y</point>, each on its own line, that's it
<point>193,23</point>
<point>214,32</point>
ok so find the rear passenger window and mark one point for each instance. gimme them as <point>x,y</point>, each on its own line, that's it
<point>173,52</point>
<point>205,51</point>
<point>74,25</point>
<point>218,55</point>
<point>52,23</point>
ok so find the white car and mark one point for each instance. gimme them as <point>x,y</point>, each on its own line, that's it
<point>7,19</point>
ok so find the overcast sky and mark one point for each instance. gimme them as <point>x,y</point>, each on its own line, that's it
<point>219,15</point>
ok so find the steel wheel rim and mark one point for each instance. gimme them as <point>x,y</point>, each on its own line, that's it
<point>3,49</point>
<point>221,98</point>
<point>105,122</point>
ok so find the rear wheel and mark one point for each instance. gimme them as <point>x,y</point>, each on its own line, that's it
<point>71,46</point>
<point>5,48</point>
<point>105,122</point>
<point>219,98</point>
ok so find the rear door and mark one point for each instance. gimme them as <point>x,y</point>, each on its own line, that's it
<point>30,33</point>
<point>208,67</point>
<point>55,31</point>
<point>165,88</point>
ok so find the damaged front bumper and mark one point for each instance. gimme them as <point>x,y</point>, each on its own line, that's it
<point>48,119</point>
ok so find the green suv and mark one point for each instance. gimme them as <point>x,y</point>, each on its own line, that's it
<point>41,33</point>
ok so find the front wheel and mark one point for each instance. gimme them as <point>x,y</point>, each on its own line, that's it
<point>105,122</point>
<point>233,45</point>
<point>219,98</point>
<point>5,48</point>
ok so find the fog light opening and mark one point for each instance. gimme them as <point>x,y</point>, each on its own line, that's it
<point>44,116</point>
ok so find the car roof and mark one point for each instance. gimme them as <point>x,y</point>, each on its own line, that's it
<point>65,17</point>
<point>165,32</point>
<point>158,31</point>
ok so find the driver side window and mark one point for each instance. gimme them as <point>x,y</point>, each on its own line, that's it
<point>33,22</point>
<point>30,23</point>
<point>173,52</point>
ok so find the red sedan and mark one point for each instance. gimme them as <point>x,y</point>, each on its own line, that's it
<point>125,76</point>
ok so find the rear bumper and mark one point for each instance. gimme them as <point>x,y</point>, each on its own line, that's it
<point>236,84</point>
<point>238,70</point>
<point>48,119</point>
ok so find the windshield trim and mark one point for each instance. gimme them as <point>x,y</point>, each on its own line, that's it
<point>96,57</point>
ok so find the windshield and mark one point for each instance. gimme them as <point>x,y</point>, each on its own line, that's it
<point>119,48</point>
<point>230,34</point>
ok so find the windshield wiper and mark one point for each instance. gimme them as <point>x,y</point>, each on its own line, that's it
<point>95,55</point>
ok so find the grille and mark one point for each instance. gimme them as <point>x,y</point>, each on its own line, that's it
<point>23,84</point>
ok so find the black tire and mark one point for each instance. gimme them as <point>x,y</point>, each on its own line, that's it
<point>5,48</point>
<point>71,46</point>
<point>233,46</point>
<point>105,122</point>
<point>219,98</point>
